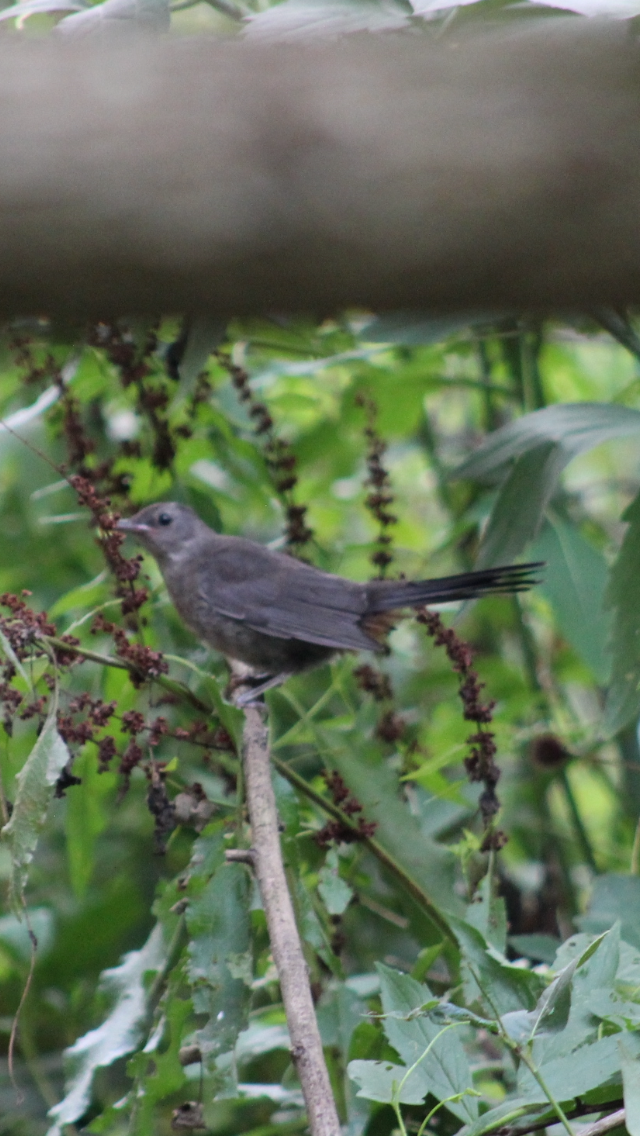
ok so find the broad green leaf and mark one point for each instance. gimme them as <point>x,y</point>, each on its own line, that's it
<point>504,988</point>
<point>219,965</point>
<point>157,1066</point>
<point>506,1113</point>
<point>574,581</point>
<point>539,948</point>
<point>631,1088</point>
<point>574,427</point>
<point>35,788</point>
<point>87,817</point>
<point>522,500</point>
<point>606,1005</point>
<point>623,599</point>
<point>376,786</point>
<point>445,1067</point>
<point>576,1073</point>
<point>383,1081</point>
<point>118,1035</point>
<point>488,913</point>
<point>614,897</point>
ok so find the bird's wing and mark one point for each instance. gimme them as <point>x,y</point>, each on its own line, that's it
<point>280,596</point>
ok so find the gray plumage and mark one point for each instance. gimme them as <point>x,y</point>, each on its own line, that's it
<point>275,613</point>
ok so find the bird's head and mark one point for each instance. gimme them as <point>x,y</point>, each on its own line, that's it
<point>164,529</point>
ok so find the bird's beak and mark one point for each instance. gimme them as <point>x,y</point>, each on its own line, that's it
<point>130,525</point>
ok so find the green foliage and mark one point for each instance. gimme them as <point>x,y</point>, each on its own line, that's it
<point>461,986</point>
<point>143,760</point>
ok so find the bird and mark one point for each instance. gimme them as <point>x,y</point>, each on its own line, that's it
<point>279,615</point>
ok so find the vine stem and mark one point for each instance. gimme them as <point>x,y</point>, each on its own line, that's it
<point>286,946</point>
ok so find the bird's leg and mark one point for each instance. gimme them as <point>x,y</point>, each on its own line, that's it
<point>253,693</point>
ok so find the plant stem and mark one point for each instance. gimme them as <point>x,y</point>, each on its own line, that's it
<point>306,1045</point>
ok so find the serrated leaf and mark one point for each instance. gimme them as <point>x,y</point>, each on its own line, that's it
<point>118,1035</point>
<point>219,962</point>
<point>574,582</point>
<point>444,1068</point>
<point>35,788</point>
<point>504,988</point>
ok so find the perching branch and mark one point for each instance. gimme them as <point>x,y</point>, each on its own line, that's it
<point>220,177</point>
<point>306,1046</point>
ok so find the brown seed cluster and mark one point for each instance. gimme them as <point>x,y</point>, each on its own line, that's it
<point>336,831</point>
<point>145,663</point>
<point>280,459</point>
<point>378,482</point>
<point>480,762</point>
<point>136,367</point>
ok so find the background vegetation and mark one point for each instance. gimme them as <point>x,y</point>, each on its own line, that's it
<point>472,972</point>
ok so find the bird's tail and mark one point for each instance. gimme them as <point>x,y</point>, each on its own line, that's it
<point>385,595</point>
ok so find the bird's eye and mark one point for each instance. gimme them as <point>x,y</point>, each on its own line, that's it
<point>165,519</point>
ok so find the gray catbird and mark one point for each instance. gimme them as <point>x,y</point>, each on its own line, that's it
<point>275,613</point>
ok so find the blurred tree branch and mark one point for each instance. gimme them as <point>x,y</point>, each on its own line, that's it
<point>473,174</point>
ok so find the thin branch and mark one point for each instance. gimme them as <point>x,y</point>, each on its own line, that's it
<point>613,1120</point>
<point>286,946</point>
<point>162,680</point>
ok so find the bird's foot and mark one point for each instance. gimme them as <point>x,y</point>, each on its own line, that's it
<point>250,693</point>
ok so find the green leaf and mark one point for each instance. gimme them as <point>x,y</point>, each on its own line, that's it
<point>444,1068</point>
<point>219,964</point>
<point>35,789</point>
<point>614,897</point>
<point>623,599</point>
<point>575,427</point>
<point>336,894</point>
<point>87,817</point>
<point>376,786</point>
<point>488,913</point>
<point>383,1081</point>
<point>522,500</point>
<point>118,1035</point>
<point>571,1076</point>
<point>504,988</point>
<point>540,948</point>
<point>574,581</point>
<point>203,335</point>
<point>631,1088</point>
